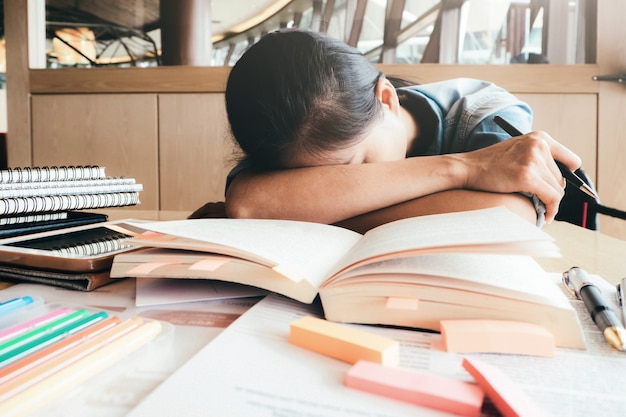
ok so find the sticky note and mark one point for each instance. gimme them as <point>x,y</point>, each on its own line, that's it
<point>508,398</point>
<point>343,342</point>
<point>288,273</point>
<point>497,336</point>
<point>147,268</point>
<point>434,391</point>
<point>209,264</point>
<point>400,303</point>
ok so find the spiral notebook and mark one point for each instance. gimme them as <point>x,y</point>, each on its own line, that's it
<point>77,258</point>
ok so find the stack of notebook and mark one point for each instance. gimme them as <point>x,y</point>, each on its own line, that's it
<point>47,198</point>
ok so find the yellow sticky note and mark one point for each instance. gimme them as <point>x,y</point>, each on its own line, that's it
<point>343,342</point>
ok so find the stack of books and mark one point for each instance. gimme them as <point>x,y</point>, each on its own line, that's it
<point>47,198</point>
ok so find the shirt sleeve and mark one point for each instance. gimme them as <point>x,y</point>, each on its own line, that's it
<point>241,166</point>
<point>465,108</point>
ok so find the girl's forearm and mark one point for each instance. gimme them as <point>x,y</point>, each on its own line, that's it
<point>329,194</point>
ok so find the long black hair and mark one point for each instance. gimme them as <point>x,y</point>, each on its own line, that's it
<point>299,91</point>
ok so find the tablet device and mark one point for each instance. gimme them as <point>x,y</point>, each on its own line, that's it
<point>87,248</point>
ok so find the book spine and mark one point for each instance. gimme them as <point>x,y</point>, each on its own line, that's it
<point>42,204</point>
<point>70,189</point>
<point>61,173</point>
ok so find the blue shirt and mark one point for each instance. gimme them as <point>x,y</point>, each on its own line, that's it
<point>457,115</point>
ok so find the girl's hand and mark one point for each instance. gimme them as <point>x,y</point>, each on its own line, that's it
<point>522,164</point>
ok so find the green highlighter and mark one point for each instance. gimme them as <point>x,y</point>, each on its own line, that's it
<point>42,336</point>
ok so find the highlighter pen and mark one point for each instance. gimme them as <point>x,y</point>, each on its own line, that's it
<point>577,281</point>
<point>567,174</point>
<point>14,304</point>
<point>49,352</point>
<point>41,330</point>
<point>79,371</point>
<point>90,344</point>
<point>21,328</point>
<point>49,338</point>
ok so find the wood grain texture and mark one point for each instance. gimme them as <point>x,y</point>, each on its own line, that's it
<point>519,78</point>
<point>117,131</point>
<point>196,152</point>
<point>580,136</point>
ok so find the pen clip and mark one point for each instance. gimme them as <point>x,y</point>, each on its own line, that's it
<point>619,294</point>
<point>569,285</point>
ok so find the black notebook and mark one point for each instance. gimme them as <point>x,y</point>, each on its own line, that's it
<point>26,224</point>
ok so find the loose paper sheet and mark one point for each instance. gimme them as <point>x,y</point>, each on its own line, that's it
<point>251,369</point>
<point>159,291</point>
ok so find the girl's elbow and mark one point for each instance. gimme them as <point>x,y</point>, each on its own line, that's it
<point>237,209</point>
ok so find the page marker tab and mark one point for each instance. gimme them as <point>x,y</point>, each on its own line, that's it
<point>209,264</point>
<point>343,342</point>
<point>446,394</point>
<point>497,336</point>
<point>401,303</point>
<point>146,268</point>
<point>508,398</point>
<point>288,273</point>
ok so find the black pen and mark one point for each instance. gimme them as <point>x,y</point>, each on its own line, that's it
<point>577,281</point>
<point>567,174</point>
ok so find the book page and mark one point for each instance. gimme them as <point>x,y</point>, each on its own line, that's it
<point>507,276</point>
<point>494,230</point>
<point>309,250</point>
<point>252,370</point>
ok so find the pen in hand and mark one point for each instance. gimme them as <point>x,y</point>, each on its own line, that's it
<point>567,174</point>
<point>577,281</point>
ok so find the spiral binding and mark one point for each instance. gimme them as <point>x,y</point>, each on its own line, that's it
<point>94,247</point>
<point>54,173</point>
<point>66,202</point>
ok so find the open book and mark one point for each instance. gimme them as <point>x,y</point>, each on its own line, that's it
<point>413,272</point>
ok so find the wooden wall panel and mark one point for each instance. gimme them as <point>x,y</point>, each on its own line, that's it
<point>612,110</point>
<point>572,119</point>
<point>118,131</point>
<point>195,149</point>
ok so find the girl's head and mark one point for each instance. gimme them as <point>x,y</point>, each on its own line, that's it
<point>298,94</point>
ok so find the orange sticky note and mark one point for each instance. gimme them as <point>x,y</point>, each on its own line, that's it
<point>343,342</point>
<point>508,398</point>
<point>451,395</point>
<point>497,336</point>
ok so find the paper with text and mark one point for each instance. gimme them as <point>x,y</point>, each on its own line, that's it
<point>251,369</point>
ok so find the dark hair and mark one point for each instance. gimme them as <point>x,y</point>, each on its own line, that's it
<point>297,90</point>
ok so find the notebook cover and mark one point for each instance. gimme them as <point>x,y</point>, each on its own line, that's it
<point>74,218</point>
<point>73,281</point>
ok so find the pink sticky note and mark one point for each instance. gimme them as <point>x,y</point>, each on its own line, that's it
<point>451,395</point>
<point>497,336</point>
<point>508,398</point>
